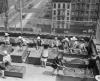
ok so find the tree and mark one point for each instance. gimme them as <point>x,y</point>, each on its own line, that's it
<point>4,9</point>
<point>3,6</point>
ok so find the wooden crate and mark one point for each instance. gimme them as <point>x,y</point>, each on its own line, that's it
<point>15,71</point>
<point>34,57</point>
<point>19,56</point>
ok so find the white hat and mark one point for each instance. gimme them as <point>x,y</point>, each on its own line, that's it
<point>5,52</point>
<point>56,38</point>
<point>38,37</point>
<point>6,34</point>
<point>66,39</point>
<point>73,38</point>
<point>97,77</point>
<point>19,37</point>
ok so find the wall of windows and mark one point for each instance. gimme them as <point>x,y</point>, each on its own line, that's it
<point>61,14</point>
<point>70,12</point>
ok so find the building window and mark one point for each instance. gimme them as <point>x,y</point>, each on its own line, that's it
<point>68,5</point>
<point>54,18</point>
<point>58,17</point>
<point>54,5</point>
<point>63,17</point>
<point>58,5</point>
<point>63,5</point>
<point>58,12</point>
<point>72,13</point>
<point>87,6</point>
<point>67,26</point>
<point>54,25</point>
<point>67,13</point>
<point>62,12</point>
<point>67,18</point>
<point>73,6</point>
<point>54,12</point>
<point>63,24</point>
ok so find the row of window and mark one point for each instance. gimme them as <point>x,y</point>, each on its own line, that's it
<point>84,13</point>
<point>84,6</point>
<point>61,25</point>
<point>80,17</point>
<point>61,18</point>
<point>61,12</point>
<point>83,19</point>
<point>61,5</point>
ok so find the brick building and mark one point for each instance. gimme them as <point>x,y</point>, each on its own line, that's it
<point>76,16</point>
<point>61,14</point>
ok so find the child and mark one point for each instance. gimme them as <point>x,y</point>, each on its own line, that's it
<point>92,63</point>
<point>6,59</point>
<point>2,69</point>
<point>20,40</point>
<point>38,43</point>
<point>44,56</point>
<point>7,39</point>
<point>57,63</point>
<point>6,62</point>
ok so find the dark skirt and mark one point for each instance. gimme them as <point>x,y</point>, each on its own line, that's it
<point>54,66</point>
<point>6,64</point>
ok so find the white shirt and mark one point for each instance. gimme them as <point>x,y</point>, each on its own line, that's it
<point>57,42</point>
<point>7,58</point>
<point>45,53</point>
<point>7,39</point>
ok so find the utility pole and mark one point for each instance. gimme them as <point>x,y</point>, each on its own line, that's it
<point>98,26</point>
<point>98,32</point>
<point>20,2</point>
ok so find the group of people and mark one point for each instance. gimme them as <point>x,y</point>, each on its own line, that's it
<point>73,43</point>
<point>57,61</point>
<point>67,44</point>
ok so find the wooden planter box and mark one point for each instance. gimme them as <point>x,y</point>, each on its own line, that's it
<point>34,57</point>
<point>15,71</point>
<point>19,56</point>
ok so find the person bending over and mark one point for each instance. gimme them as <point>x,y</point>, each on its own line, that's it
<point>92,63</point>
<point>57,63</point>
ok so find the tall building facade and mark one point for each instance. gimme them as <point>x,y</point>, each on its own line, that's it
<point>75,15</point>
<point>61,14</point>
